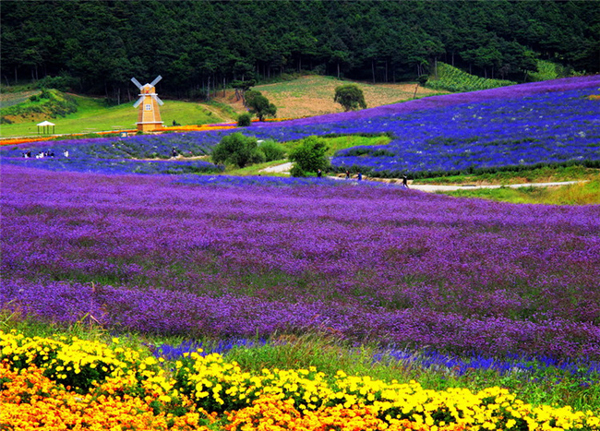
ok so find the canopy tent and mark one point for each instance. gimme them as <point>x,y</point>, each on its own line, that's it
<point>45,125</point>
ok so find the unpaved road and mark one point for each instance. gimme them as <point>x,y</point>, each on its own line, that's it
<point>446,188</point>
<point>430,188</point>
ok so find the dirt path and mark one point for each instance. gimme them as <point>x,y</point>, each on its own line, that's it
<point>430,188</point>
<point>446,188</point>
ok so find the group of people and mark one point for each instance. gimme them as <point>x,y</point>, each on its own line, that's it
<point>359,178</point>
<point>43,154</point>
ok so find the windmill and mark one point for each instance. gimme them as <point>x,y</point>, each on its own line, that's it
<point>148,113</point>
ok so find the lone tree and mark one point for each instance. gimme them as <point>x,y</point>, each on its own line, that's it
<point>259,105</point>
<point>309,157</point>
<point>350,96</point>
<point>238,150</point>
<point>241,87</point>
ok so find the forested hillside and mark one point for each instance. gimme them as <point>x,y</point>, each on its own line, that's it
<point>200,46</point>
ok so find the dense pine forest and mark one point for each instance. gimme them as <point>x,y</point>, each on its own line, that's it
<point>95,47</point>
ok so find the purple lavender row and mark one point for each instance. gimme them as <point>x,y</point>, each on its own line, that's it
<point>177,313</point>
<point>367,262</point>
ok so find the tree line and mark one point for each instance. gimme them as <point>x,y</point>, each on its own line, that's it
<point>201,47</point>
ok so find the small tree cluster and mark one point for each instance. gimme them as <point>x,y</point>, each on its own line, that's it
<point>310,156</point>
<point>238,150</point>
<point>259,105</point>
<point>350,96</point>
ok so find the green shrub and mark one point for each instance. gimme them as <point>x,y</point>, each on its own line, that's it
<point>244,120</point>
<point>310,156</point>
<point>297,172</point>
<point>272,150</point>
<point>238,150</point>
<point>350,96</point>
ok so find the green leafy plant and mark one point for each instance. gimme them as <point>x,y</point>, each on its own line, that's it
<point>260,105</point>
<point>238,150</point>
<point>244,120</point>
<point>272,150</point>
<point>350,96</point>
<point>309,157</point>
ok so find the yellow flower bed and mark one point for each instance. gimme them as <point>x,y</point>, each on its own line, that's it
<point>72,382</point>
<point>31,401</point>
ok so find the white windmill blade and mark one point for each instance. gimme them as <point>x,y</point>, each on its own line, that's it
<point>138,102</point>
<point>160,102</point>
<point>153,83</point>
<point>137,83</point>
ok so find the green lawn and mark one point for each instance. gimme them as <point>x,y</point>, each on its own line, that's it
<point>584,193</point>
<point>536,175</point>
<point>93,116</point>
<point>338,143</point>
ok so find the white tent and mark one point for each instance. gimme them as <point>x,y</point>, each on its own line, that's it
<point>45,125</point>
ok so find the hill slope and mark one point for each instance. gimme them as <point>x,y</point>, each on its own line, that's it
<point>306,96</point>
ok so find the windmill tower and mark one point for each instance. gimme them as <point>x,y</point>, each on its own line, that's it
<point>148,113</point>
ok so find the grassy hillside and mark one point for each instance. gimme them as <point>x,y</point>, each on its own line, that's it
<point>94,116</point>
<point>309,96</point>
<point>306,96</point>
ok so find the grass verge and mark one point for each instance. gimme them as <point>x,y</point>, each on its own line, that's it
<point>583,193</point>
<point>537,175</point>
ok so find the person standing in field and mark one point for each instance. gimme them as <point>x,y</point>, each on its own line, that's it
<point>404,181</point>
<point>359,176</point>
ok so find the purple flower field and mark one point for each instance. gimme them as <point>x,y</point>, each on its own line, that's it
<point>550,122</point>
<point>214,259</point>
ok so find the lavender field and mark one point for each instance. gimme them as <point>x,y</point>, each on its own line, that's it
<point>544,123</point>
<point>211,257</point>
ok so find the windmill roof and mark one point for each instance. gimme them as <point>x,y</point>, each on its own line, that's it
<point>46,123</point>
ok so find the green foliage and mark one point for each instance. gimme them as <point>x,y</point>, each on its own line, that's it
<point>63,82</point>
<point>244,120</point>
<point>238,150</point>
<point>298,172</point>
<point>49,103</point>
<point>584,193</point>
<point>272,150</point>
<point>260,105</point>
<point>533,175</point>
<point>549,70</point>
<point>310,156</point>
<point>350,96</point>
<point>453,79</point>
